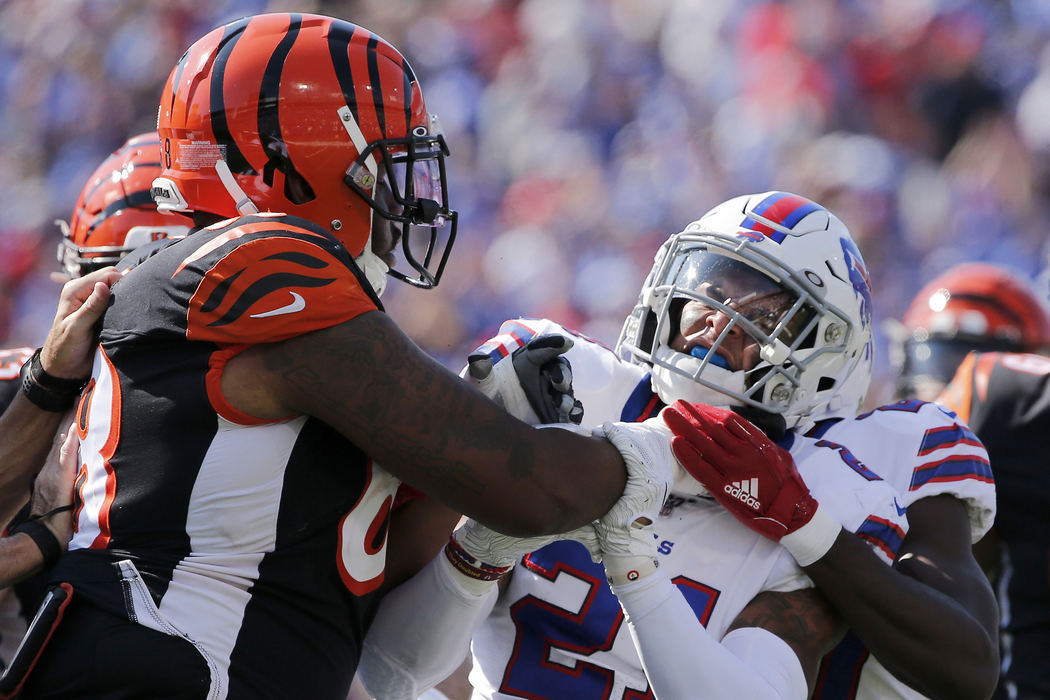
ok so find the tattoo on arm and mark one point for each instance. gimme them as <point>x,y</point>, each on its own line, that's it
<point>369,381</point>
<point>802,618</point>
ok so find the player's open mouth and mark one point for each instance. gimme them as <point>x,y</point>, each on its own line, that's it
<point>700,352</point>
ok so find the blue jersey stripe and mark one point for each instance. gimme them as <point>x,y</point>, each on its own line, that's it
<point>955,468</point>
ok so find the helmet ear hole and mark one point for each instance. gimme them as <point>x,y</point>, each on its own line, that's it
<point>648,339</point>
<point>297,189</point>
<point>674,315</point>
<point>825,384</point>
<point>810,341</point>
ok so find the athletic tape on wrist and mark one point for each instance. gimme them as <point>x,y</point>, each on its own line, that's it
<point>813,540</point>
<point>470,566</point>
<point>623,570</point>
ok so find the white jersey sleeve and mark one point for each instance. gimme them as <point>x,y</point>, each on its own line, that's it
<point>923,450</point>
<point>609,388</point>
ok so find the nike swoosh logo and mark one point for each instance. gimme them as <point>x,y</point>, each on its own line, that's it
<point>298,304</point>
<point>900,511</point>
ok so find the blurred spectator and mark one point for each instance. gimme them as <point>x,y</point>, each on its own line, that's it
<point>583,131</point>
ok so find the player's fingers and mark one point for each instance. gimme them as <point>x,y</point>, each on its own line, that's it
<point>68,453</point>
<point>576,412</point>
<point>743,429</point>
<point>76,291</point>
<point>559,374</point>
<point>693,462</point>
<point>544,348</point>
<point>706,437</point>
<point>479,366</point>
<point>91,309</point>
<point>702,426</point>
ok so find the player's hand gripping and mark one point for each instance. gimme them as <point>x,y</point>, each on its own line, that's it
<point>752,477</point>
<point>535,386</point>
<point>53,488</point>
<point>482,553</point>
<point>69,349</point>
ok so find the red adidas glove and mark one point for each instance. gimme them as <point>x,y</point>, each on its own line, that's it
<point>751,476</point>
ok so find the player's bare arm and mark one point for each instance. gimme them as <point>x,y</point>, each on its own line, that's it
<point>365,378</point>
<point>34,545</point>
<point>26,429</point>
<point>803,618</point>
<point>933,611</point>
<point>418,531</point>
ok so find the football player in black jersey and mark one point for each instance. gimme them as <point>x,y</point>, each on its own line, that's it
<point>251,411</point>
<point>1002,391</point>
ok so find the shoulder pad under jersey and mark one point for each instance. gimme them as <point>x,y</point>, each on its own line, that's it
<point>266,278</point>
<point>922,450</point>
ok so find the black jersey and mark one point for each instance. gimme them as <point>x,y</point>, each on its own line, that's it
<point>260,542</point>
<point>1005,398</point>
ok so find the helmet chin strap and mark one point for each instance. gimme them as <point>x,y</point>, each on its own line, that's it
<point>244,205</point>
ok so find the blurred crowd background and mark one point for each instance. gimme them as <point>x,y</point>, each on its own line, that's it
<point>583,132</point>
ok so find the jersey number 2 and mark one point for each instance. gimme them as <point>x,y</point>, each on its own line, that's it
<point>544,629</point>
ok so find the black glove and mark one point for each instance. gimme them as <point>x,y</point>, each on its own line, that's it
<point>544,376</point>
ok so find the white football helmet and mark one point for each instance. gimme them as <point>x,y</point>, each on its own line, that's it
<point>784,271</point>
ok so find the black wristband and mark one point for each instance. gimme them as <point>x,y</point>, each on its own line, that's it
<point>43,537</point>
<point>48,392</point>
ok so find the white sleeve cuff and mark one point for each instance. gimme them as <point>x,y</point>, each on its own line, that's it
<point>813,540</point>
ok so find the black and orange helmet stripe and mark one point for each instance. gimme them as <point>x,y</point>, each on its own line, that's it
<point>339,49</point>
<point>220,127</point>
<point>375,81</point>
<point>362,43</point>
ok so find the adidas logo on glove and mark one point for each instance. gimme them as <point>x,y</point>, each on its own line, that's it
<point>745,491</point>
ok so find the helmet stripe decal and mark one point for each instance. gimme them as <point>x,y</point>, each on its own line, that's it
<point>176,77</point>
<point>234,158</point>
<point>410,80</point>
<point>780,208</point>
<point>141,198</point>
<point>339,47</point>
<point>377,86</point>
<point>113,177</point>
<point>270,123</point>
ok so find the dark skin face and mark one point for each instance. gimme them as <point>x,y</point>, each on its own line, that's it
<point>701,325</point>
<point>386,234</point>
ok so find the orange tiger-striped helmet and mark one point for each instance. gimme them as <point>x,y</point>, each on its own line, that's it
<point>311,116</point>
<point>972,306</point>
<point>115,213</point>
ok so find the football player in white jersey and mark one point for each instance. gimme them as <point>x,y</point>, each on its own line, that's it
<point>762,304</point>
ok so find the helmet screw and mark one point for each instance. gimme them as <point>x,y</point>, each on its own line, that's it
<point>336,224</point>
<point>833,334</point>
<point>346,116</point>
<point>780,394</point>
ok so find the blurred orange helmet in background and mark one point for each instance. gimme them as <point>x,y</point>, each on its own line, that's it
<point>972,306</point>
<point>115,213</point>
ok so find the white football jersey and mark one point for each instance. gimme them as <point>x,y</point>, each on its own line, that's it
<point>920,450</point>
<point>558,632</point>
